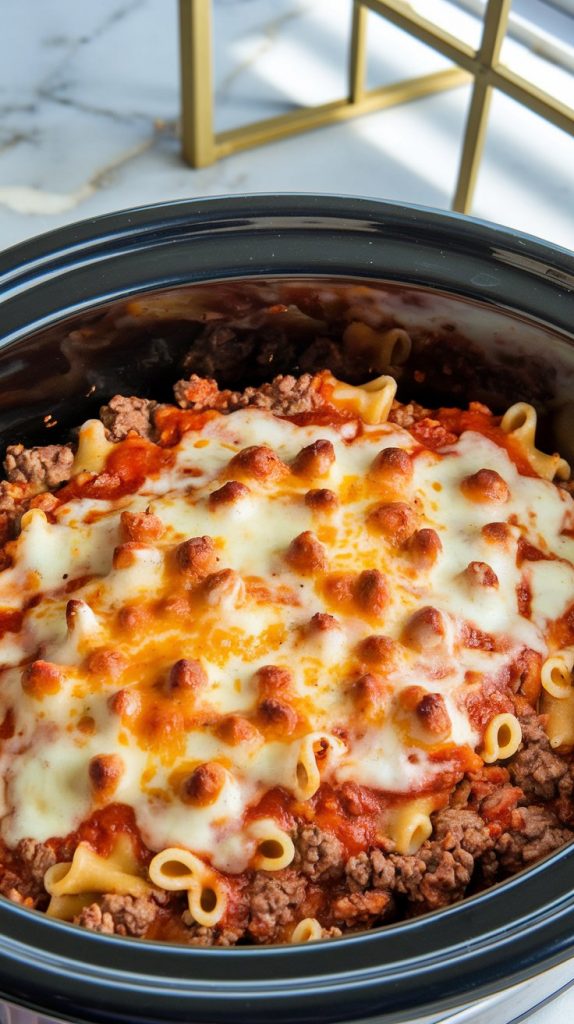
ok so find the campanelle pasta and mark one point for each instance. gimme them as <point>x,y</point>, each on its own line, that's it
<point>273,671</point>
<point>117,873</point>
<point>520,422</point>
<point>372,401</point>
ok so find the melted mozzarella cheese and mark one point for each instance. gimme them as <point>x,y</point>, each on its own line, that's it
<point>262,617</point>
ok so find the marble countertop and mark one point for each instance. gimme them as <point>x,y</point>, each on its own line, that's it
<point>89,122</point>
<point>89,110</point>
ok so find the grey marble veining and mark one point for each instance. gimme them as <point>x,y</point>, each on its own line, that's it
<point>89,111</point>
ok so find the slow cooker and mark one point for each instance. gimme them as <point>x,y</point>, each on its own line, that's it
<point>69,340</point>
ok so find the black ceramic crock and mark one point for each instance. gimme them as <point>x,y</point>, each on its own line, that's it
<point>428,968</point>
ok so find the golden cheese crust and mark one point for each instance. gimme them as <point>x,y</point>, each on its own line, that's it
<point>263,624</point>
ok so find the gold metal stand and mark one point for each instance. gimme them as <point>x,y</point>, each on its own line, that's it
<point>201,146</point>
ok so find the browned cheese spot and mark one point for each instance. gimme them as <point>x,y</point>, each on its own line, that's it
<point>424,547</point>
<point>107,663</point>
<point>196,558</point>
<point>234,729</point>
<point>259,462</point>
<point>496,533</point>
<point>230,493</point>
<point>125,703</point>
<point>278,715</point>
<point>372,591</point>
<point>395,520</point>
<point>377,650</point>
<point>187,674</point>
<point>141,526</point>
<point>41,679</point>
<point>105,772</point>
<point>272,681</point>
<point>314,460</point>
<point>203,786</point>
<point>321,499</point>
<point>425,630</point>
<point>370,694</point>
<point>484,487</point>
<point>392,466</point>
<point>479,574</point>
<point>306,554</point>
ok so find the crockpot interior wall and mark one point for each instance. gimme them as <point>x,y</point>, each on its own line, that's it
<point>246,331</point>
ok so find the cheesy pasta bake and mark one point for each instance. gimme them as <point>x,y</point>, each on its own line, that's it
<point>283,663</point>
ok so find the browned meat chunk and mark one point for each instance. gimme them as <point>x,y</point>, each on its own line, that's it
<point>539,772</point>
<point>38,857</point>
<point>284,396</point>
<point>119,915</point>
<point>46,467</point>
<point>274,901</point>
<point>433,876</point>
<point>199,393</point>
<point>124,416</point>
<point>361,908</point>
<point>406,415</point>
<point>199,935</point>
<point>537,832</point>
<point>458,827</point>
<point>320,854</point>
<point>370,870</point>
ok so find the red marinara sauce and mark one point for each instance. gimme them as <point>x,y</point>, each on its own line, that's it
<point>127,466</point>
<point>484,422</point>
<point>103,828</point>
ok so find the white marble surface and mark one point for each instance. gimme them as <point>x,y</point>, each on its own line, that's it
<point>89,108</point>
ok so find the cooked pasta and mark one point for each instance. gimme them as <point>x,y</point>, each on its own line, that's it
<point>174,869</point>
<point>560,721</point>
<point>556,674</point>
<point>274,848</point>
<point>307,930</point>
<point>383,348</point>
<point>372,401</point>
<point>520,422</point>
<point>501,738</point>
<point>88,872</point>
<point>207,901</point>
<point>411,825</point>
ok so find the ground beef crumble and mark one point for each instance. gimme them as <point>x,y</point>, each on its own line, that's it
<point>44,467</point>
<point>124,416</point>
<point>540,773</point>
<point>284,395</point>
<point>273,904</point>
<point>319,854</point>
<point>120,915</point>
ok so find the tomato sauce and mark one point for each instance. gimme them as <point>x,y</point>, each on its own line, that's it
<point>562,631</point>
<point>485,703</point>
<point>527,552</point>
<point>484,422</point>
<point>324,416</point>
<point>172,423</point>
<point>127,466</point>
<point>104,827</point>
<point>10,622</point>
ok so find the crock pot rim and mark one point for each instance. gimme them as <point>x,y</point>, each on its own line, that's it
<point>108,239</point>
